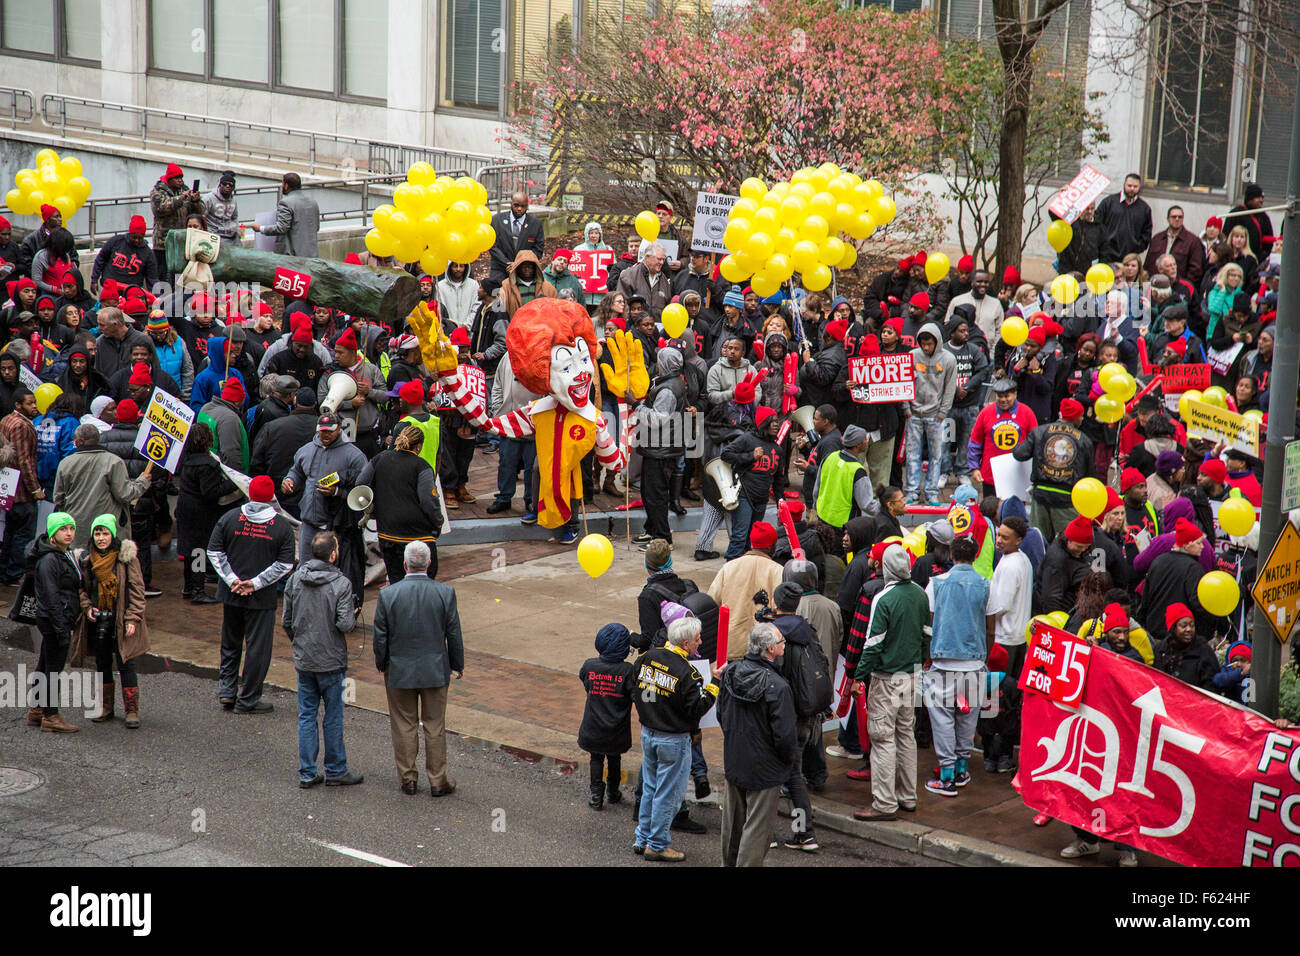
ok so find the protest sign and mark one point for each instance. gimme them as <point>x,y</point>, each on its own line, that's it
<point>1176,379</point>
<point>9,478</point>
<point>165,425</point>
<point>591,268</point>
<point>1210,421</point>
<point>1083,189</point>
<point>882,378</point>
<point>711,211</point>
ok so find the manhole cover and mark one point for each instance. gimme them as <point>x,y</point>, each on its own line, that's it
<point>14,781</point>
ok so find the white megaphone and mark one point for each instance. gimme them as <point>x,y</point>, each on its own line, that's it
<point>802,416</point>
<point>360,499</point>
<point>727,482</point>
<point>341,387</point>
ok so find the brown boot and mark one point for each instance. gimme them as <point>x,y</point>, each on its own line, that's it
<point>55,724</point>
<point>131,705</point>
<point>608,486</point>
<point>464,495</point>
<point>106,711</point>
<point>34,716</point>
<point>450,501</point>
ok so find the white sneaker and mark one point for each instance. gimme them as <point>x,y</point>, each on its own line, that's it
<point>1081,848</point>
<point>1128,858</point>
<point>835,750</point>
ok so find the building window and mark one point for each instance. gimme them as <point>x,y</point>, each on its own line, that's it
<point>29,26</point>
<point>365,48</point>
<point>241,40</point>
<point>472,47</point>
<point>81,37</point>
<point>178,32</point>
<point>53,29</point>
<point>307,29</point>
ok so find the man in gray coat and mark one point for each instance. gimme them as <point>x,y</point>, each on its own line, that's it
<point>417,648</point>
<point>318,613</point>
<point>93,481</point>
<point>297,220</point>
<point>328,454</point>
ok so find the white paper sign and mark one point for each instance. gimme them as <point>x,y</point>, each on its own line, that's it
<point>27,378</point>
<point>163,429</point>
<point>1011,476</point>
<point>8,487</point>
<point>706,672</point>
<point>711,212</point>
<point>1083,189</point>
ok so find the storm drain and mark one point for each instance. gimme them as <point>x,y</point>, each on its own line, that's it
<point>14,781</point>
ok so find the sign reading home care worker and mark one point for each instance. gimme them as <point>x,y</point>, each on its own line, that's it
<point>882,378</point>
<point>1210,421</point>
<point>162,434</point>
<point>1146,760</point>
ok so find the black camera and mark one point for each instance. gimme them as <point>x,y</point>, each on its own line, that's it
<point>762,604</point>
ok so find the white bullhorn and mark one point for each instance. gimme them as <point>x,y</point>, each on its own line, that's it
<point>802,416</point>
<point>360,497</point>
<point>728,484</point>
<point>342,387</point>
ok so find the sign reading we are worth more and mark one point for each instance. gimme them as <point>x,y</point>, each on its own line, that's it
<point>1146,760</point>
<point>882,378</point>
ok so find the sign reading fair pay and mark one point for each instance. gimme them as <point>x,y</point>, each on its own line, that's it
<point>166,423</point>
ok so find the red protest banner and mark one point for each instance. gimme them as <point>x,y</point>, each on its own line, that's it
<point>881,378</point>
<point>1083,189</point>
<point>591,268</point>
<point>1056,664</point>
<point>1180,378</point>
<point>475,378</point>
<point>291,284</point>
<point>1149,761</point>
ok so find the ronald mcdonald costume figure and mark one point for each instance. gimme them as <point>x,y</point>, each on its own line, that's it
<point>552,348</point>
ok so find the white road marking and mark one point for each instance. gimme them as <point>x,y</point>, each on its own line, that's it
<point>359,854</point>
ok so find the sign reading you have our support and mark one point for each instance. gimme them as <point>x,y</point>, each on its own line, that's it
<point>166,423</point>
<point>882,378</point>
<point>711,211</point>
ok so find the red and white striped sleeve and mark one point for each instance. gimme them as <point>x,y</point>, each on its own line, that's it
<point>607,451</point>
<point>515,424</point>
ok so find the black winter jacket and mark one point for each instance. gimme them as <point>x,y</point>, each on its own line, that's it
<point>670,696</point>
<point>756,711</point>
<point>607,718</point>
<point>1195,664</point>
<point>1172,579</point>
<point>58,586</point>
<point>756,476</point>
<point>1057,581</point>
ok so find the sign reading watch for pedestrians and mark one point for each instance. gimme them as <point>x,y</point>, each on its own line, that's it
<point>1277,586</point>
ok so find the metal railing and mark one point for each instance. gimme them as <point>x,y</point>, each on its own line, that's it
<point>504,179</point>
<point>17,104</point>
<point>395,157</point>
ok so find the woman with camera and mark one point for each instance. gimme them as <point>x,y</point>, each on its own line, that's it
<point>112,623</point>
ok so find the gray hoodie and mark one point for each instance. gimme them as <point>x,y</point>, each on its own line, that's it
<point>318,612</point>
<point>457,300</point>
<point>936,377</point>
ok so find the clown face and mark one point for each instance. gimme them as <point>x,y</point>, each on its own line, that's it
<point>571,374</point>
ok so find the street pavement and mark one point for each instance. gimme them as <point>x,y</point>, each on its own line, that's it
<point>200,786</point>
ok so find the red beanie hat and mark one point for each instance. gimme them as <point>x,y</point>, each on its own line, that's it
<point>348,340</point>
<point>412,392</point>
<point>1178,347</point>
<point>262,489</point>
<point>128,412</point>
<point>233,391</point>
<point>1215,470</point>
<point>352,259</point>
<point>921,300</point>
<point>1186,533</point>
<point>172,172</point>
<point>919,258</point>
<point>459,337</point>
<point>1038,334</point>
<point>1175,613</point>
<point>744,393</point>
<point>140,375</point>
<point>870,346</point>
<point>1113,500</point>
<point>836,329</point>
<point>137,226</point>
<point>1071,410</point>
<point>762,535</point>
<point>1114,616</point>
<point>905,264</point>
<point>1214,221</point>
<point>1131,477</point>
<point>45,302</point>
<point>966,264</point>
<point>896,324</point>
<point>1079,531</point>
<point>47,211</point>
<point>762,415</point>
<point>1011,276</point>
<point>878,551</point>
<point>4,223</point>
<point>795,507</point>
<point>301,334</point>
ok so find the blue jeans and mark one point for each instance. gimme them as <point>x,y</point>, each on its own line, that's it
<point>931,432</point>
<point>511,453</point>
<point>665,767</point>
<point>963,420</point>
<point>20,531</point>
<point>312,689</point>
<point>742,519</point>
<point>699,767</point>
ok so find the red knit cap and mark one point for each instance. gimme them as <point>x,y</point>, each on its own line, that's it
<point>233,391</point>
<point>1175,613</point>
<point>1131,477</point>
<point>919,258</point>
<point>836,329</point>
<point>1113,500</point>
<point>1079,531</point>
<point>352,259</point>
<point>128,412</point>
<point>109,290</point>
<point>762,415</point>
<point>1186,533</point>
<point>1038,334</point>
<point>1178,347</point>
<point>137,226</point>
<point>1071,410</point>
<point>348,340</point>
<point>1215,470</point>
<point>45,302</point>
<point>172,172</point>
<point>48,211</point>
<point>261,488</point>
<point>301,334</point>
<point>878,551</point>
<point>921,300</point>
<point>905,264</point>
<point>1011,276</point>
<point>795,507</point>
<point>412,392</point>
<point>896,324</point>
<point>1114,616</point>
<point>744,393</point>
<point>762,535</point>
<point>870,346</point>
<point>140,375</point>
<point>966,264</point>
<point>459,337</point>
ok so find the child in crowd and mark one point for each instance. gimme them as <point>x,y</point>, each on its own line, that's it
<point>606,731</point>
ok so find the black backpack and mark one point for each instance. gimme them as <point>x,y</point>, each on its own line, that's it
<point>809,675</point>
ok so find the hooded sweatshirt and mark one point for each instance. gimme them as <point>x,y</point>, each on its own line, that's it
<point>973,368</point>
<point>900,618</point>
<point>666,398</point>
<point>318,613</point>
<point>936,377</point>
<point>457,300</point>
<point>516,293</point>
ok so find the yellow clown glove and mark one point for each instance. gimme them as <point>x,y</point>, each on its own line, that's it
<point>439,354</point>
<point>628,361</point>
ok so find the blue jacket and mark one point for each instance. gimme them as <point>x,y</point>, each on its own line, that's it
<point>53,444</point>
<point>960,599</point>
<point>207,384</point>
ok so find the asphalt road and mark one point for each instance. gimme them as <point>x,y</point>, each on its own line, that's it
<point>199,786</point>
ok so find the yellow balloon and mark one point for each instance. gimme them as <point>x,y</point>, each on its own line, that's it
<point>1215,395</point>
<point>767,220</point>
<point>936,267</point>
<point>817,278</point>
<point>1029,628</point>
<point>863,225</point>
<point>1100,278</point>
<point>479,195</point>
<point>1122,387</point>
<point>421,174</point>
<point>731,270</point>
<point>1191,395</point>
<point>429,230</point>
<point>814,228</point>
<point>1059,234</point>
<point>1141,642</point>
<point>379,243</point>
<point>49,176</point>
<point>861,197</point>
<point>647,225</point>
<point>408,252</point>
<point>1014,330</point>
<point>760,246</point>
<point>46,157</point>
<point>753,189</point>
<point>433,264</point>
<point>804,255</point>
<point>874,189</point>
<point>69,167</point>
<point>831,251</point>
<point>803,189</point>
<point>1108,409</point>
<point>883,210</point>
<point>481,240</point>
<point>1065,289</point>
<point>595,554</point>
<point>850,257</point>
<point>66,206</point>
<point>46,395</point>
<point>382,216</point>
<point>794,209</point>
<point>26,180</point>
<point>841,219</point>
<point>455,247</point>
<point>1254,414</point>
<point>746,262</point>
<point>1218,593</point>
<point>785,240</point>
<point>737,234</point>
<point>1089,497</point>
<point>1058,618</point>
<point>80,188</point>
<point>675,319</point>
<point>1108,372</point>
<point>13,199</point>
<point>764,285</point>
<point>484,215</point>
<point>1236,516</point>
<point>743,209</point>
<point>401,226</point>
<point>36,199</point>
<point>779,267</point>
<point>823,204</point>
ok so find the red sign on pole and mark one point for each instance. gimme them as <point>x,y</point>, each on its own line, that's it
<point>1180,378</point>
<point>1078,193</point>
<point>290,284</point>
<point>1056,664</point>
<point>591,268</point>
<point>882,378</point>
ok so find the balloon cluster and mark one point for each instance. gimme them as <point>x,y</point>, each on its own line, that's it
<point>433,220</point>
<point>796,226</point>
<point>1118,387</point>
<point>1215,395</point>
<point>54,182</point>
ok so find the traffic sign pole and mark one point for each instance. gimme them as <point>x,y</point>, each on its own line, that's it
<point>1266,664</point>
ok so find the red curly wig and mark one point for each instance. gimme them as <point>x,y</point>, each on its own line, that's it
<point>537,328</point>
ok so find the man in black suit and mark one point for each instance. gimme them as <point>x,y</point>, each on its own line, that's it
<point>516,230</point>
